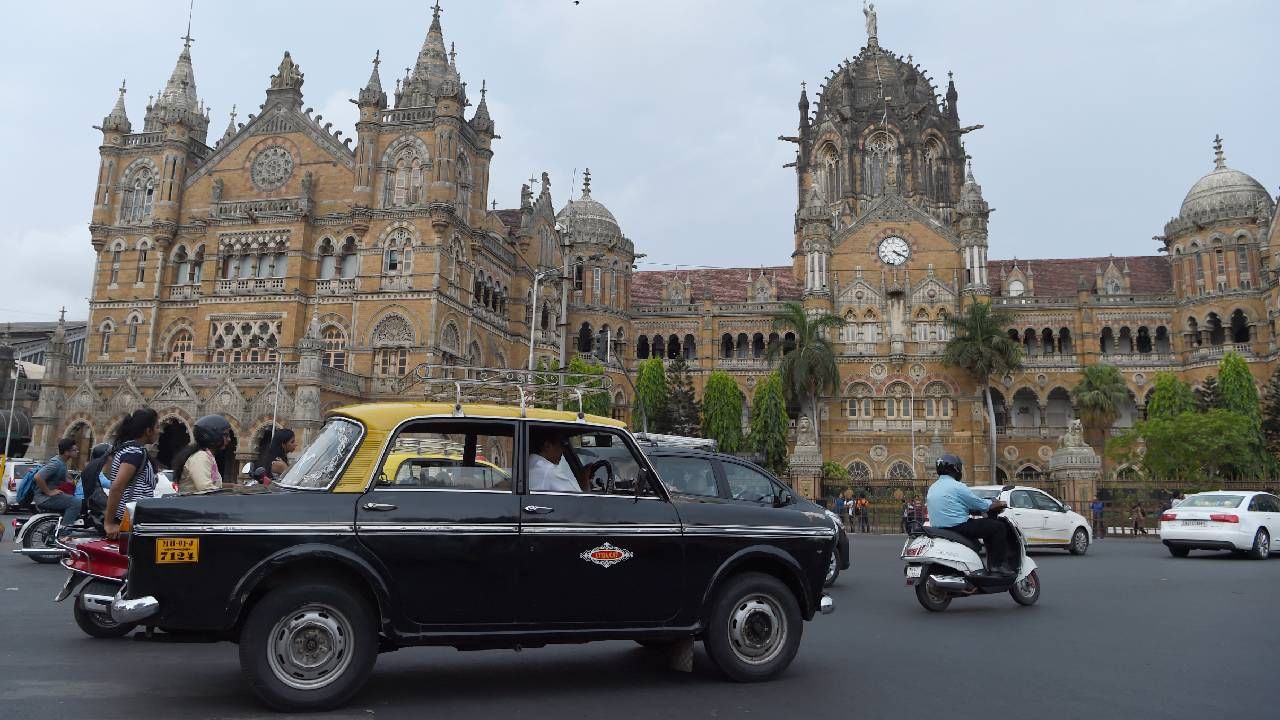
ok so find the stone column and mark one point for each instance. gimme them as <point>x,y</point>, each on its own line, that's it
<point>1075,468</point>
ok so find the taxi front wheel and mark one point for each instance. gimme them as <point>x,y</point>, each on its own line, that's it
<point>308,647</point>
<point>754,628</point>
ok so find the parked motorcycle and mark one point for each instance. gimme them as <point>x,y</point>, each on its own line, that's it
<point>943,565</point>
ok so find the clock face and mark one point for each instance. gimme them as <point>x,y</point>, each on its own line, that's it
<point>894,250</point>
<point>272,168</point>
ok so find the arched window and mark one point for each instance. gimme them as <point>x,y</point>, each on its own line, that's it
<point>1242,265</point>
<point>115,264</point>
<point>726,346</point>
<point>195,272</point>
<point>859,472</point>
<point>328,260</point>
<point>690,347</point>
<point>757,346</point>
<point>181,266</point>
<point>403,183</point>
<point>139,196</point>
<point>642,347</point>
<point>829,174</point>
<point>134,323</point>
<point>181,347</point>
<point>577,274</point>
<point>585,338</point>
<point>143,251</point>
<point>859,404</point>
<point>545,320</point>
<point>880,163</point>
<point>348,258</point>
<point>105,330</point>
<point>935,173</point>
<point>901,471</point>
<point>658,347</point>
<point>464,180</point>
<point>1240,331</point>
<point>335,347</point>
<point>398,256</point>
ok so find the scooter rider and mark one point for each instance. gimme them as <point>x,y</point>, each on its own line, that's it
<point>197,466</point>
<point>950,501</point>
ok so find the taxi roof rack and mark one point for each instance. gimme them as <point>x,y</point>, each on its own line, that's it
<point>461,384</point>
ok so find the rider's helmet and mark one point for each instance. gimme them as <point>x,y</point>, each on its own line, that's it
<point>949,464</point>
<point>99,450</point>
<point>210,429</point>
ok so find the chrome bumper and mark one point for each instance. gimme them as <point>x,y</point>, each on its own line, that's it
<point>133,610</point>
<point>826,605</point>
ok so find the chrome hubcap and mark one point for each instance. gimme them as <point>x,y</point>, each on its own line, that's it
<point>831,567</point>
<point>1264,544</point>
<point>757,629</point>
<point>310,648</point>
<point>1027,587</point>
<point>1082,542</point>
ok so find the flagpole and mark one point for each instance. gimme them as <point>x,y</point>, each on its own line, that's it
<point>275,401</point>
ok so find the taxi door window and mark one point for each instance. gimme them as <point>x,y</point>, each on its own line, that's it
<point>1021,499</point>
<point>747,484</point>
<point>592,460</point>
<point>450,455</point>
<point>1044,502</point>
<point>687,475</point>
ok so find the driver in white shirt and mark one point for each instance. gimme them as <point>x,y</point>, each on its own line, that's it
<point>548,472</point>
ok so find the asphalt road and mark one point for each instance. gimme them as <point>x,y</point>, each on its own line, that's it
<point>1124,632</point>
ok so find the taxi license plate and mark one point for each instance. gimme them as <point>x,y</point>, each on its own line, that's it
<point>177,550</point>
<point>913,571</point>
<point>1195,523</point>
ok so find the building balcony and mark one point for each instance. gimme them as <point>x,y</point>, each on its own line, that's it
<point>250,286</point>
<point>184,292</point>
<point>742,363</point>
<point>1216,352</point>
<point>1130,359</point>
<point>336,286</point>
<point>898,425</point>
<point>163,371</point>
<point>251,209</point>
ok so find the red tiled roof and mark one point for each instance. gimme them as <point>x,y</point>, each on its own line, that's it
<point>724,285</point>
<point>1148,274</point>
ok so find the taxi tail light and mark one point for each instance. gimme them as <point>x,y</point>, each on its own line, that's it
<point>1167,517</point>
<point>1224,518</point>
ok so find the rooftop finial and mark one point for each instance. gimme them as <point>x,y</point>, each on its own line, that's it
<point>586,184</point>
<point>377,58</point>
<point>483,89</point>
<point>869,9</point>
<point>187,39</point>
<point>435,12</point>
<point>1219,160</point>
<point>968,174</point>
<point>453,53</point>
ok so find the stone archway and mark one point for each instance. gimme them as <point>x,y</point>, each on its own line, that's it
<point>82,432</point>
<point>174,435</point>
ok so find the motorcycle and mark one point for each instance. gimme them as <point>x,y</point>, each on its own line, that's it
<point>943,565</point>
<point>36,538</point>
<point>98,568</point>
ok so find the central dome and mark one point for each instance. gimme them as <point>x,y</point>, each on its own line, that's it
<point>1223,193</point>
<point>589,220</point>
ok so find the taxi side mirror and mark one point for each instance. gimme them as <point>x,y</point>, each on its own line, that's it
<point>1068,508</point>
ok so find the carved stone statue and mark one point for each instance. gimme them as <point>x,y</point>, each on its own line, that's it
<point>1074,437</point>
<point>870,11</point>
<point>217,190</point>
<point>546,183</point>
<point>526,195</point>
<point>308,184</point>
<point>804,431</point>
<point>288,75</point>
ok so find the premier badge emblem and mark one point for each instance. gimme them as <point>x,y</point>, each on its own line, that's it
<point>606,555</point>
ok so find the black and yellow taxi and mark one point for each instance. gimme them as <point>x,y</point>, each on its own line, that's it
<point>421,523</point>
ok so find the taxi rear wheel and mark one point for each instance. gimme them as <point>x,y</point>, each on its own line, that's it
<point>308,647</point>
<point>754,628</point>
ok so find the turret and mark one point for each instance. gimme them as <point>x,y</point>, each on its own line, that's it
<point>371,100</point>
<point>115,126</point>
<point>972,228</point>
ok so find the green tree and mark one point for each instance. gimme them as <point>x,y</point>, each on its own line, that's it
<point>1191,446</point>
<point>1170,397</point>
<point>833,470</point>
<point>1271,415</point>
<point>1207,397</point>
<point>1236,390</point>
<point>980,347</point>
<point>545,377</point>
<point>651,396</point>
<point>722,412</point>
<point>684,412</point>
<point>590,375</point>
<point>808,369</point>
<point>769,423</point>
<point>1098,398</point>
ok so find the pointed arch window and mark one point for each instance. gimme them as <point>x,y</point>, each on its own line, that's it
<point>134,323</point>
<point>181,266</point>
<point>328,260</point>
<point>105,331</point>
<point>935,175</point>
<point>335,348</point>
<point>348,258</point>
<point>181,347</point>
<point>880,163</point>
<point>115,265</point>
<point>464,181</point>
<point>139,196</point>
<point>829,179</point>
<point>142,265</point>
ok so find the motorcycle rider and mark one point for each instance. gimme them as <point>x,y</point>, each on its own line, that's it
<point>950,501</point>
<point>94,483</point>
<point>196,464</point>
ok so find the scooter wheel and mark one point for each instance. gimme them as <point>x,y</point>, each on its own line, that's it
<point>99,625</point>
<point>1027,590</point>
<point>41,535</point>
<point>931,597</point>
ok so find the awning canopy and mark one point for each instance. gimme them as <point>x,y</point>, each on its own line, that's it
<point>21,428</point>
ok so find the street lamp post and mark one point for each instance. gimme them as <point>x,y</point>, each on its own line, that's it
<point>533,299</point>
<point>13,401</point>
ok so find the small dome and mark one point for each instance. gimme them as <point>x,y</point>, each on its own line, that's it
<point>1223,193</point>
<point>589,220</point>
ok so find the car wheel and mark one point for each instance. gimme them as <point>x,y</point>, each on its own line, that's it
<point>1079,542</point>
<point>99,625</point>
<point>754,628</point>
<point>1261,545</point>
<point>1027,590</point>
<point>931,597</point>
<point>4,504</point>
<point>308,647</point>
<point>833,570</point>
<point>1179,552</point>
<point>42,534</point>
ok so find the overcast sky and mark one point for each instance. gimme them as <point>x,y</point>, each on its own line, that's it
<point>1099,114</point>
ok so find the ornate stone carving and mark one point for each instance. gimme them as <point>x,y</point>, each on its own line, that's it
<point>288,75</point>
<point>879,371</point>
<point>393,330</point>
<point>1074,437</point>
<point>1011,453</point>
<point>217,190</point>
<point>272,168</point>
<point>879,453</point>
<point>1045,452</point>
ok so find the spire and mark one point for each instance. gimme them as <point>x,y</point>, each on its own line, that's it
<point>178,101</point>
<point>481,120</point>
<point>586,184</point>
<point>428,75</point>
<point>372,93</point>
<point>231,125</point>
<point>117,119</point>
<point>1219,160</point>
<point>803,105</point>
<point>952,97</point>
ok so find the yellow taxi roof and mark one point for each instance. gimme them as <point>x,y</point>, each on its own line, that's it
<point>385,416</point>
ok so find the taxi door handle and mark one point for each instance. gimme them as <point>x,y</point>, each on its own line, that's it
<point>380,507</point>
<point>538,509</point>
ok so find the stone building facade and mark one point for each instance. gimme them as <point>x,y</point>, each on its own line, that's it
<point>282,270</point>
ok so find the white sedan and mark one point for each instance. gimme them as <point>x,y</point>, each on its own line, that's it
<point>1043,520</point>
<point>1223,520</point>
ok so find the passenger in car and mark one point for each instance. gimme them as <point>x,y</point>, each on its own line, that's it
<point>546,471</point>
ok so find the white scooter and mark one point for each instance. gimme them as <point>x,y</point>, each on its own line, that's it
<point>942,565</point>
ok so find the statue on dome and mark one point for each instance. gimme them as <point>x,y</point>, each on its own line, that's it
<point>869,9</point>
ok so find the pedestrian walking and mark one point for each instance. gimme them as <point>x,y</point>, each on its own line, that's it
<point>862,506</point>
<point>1096,508</point>
<point>1139,516</point>
<point>847,507</point>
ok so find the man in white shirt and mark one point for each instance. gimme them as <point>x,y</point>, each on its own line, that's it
<point>547,471</point>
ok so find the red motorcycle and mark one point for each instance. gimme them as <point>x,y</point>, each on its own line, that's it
<point>97,567</point>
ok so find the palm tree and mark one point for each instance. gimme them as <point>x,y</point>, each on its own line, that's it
<point>1098,397</point>
<point>980,346</point>
<point>809,367</point>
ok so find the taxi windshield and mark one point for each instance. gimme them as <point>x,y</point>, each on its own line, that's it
<point>318,465</point>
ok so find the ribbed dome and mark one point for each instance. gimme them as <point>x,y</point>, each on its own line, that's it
<point>588,220</point>
<point>1223,192</point>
